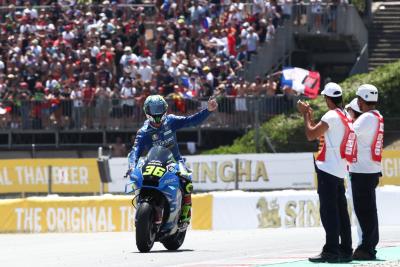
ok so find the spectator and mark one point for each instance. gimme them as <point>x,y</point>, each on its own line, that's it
<point>270,30</point>
<point>127,94</point>
<point>88,93</point>
<point>74,51</point>
<point>271,86</point>
<point>316,11</point>
<point>102,95</point>
<point>116,109</point>
<point>252,41</point>
<point>145,71</point>
<point>118,149</point>
<point>333,9</point>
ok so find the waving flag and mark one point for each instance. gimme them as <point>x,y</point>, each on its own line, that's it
<point>206,23</point>
<point>5,110</point>
<point>301,80</point>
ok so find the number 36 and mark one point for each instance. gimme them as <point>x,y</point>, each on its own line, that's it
<point>154,170</point>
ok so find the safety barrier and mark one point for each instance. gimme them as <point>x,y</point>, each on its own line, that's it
<point>255,171</point>
<point>210,172</point>
<point>287,209</point>
<point>49,176</point>
<point>84,214</point>
<point>215,211</point>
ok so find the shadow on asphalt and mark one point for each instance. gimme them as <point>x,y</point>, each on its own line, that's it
<point>164,251</point>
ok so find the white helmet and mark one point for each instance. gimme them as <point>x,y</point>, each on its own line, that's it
<point>332,90</point>
<point>368,93</point>
<point>354,106</point>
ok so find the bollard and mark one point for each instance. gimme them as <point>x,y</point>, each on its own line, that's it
<point>236,174</point>
<point>50,180</point>
<point>100,152</point>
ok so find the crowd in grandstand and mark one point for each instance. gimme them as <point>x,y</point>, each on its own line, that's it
<point>68,59</point>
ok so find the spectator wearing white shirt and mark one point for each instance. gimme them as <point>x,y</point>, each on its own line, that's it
<point>128,100</point>
<point>145,71</point>
<point>365,172</point>
<point>243,33</point>
<point>128,58</point>
<point>77,111</point>
<point>252,43</point>
<point>168,57</point>
<point>258,7</point>
<point>68,35</point>
<point>30,11</point>
<point>2,66</point>
<point>196,12</point>
<point>209,76</point>
<point>316,11</point>
<point>331,167</point>
<point>287,9</point>
<point>36,48</point>
<point>146,55</point>
<point>270,30</point>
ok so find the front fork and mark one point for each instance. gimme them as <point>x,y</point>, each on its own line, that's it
<point>157,209</point>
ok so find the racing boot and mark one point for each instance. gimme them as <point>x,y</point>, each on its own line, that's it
<point>186,213</point>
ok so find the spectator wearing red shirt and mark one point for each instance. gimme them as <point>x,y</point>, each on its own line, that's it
<point>88,104</point>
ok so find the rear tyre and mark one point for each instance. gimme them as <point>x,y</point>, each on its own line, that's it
<point>145,229</point>
<point>175,241</point>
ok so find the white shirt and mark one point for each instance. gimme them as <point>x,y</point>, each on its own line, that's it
<point>68,35</point>
<point>146,72</point>
<point>333,164</point>
<point>76,96</point>
<point>252,39</point>
<point>127,59</point>
<point>32,12</point>
<point>365,128</point>
<point>130,93</point>
<point>258,6</point>
<point>94,51</point>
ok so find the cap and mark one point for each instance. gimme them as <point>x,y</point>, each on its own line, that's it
<point>206,68</point>
<point>332,90</point>
<point>39,85</point>
<point>127,49</point>
<point>146,53</point>
<point>354,106</point>
<point>368,93</point>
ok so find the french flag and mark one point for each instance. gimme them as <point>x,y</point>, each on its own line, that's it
<point>206,23</point>
<point>302,81</point>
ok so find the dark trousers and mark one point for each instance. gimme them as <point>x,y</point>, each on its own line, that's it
<point>364,200</point>
<point>334,214</point>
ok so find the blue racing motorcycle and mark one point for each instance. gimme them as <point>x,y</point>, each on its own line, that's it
<point>158,197</point>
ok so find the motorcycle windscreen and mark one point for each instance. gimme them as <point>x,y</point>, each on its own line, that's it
<point>159,153</point>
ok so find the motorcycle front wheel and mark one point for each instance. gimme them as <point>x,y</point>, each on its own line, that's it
<point>175,241</point>
<point>145,229</point>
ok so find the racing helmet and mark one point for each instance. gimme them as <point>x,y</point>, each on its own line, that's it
<point>155,107</point>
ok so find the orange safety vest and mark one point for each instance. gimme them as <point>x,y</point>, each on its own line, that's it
<point>377,144</point>
<point>348,146</point>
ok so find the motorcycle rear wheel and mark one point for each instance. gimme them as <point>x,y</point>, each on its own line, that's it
<point>145,229</point>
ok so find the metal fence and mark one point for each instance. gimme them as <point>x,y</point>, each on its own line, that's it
<point>236,112</point>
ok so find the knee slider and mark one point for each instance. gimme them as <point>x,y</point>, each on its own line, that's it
<point>189,188</point>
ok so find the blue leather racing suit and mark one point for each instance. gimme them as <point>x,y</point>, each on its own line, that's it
<point>165,135</point>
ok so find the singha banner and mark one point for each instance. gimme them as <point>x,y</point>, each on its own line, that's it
<point>244,171</point>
